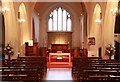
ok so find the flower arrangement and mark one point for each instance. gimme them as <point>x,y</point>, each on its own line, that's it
<point>8,49</point>
<point>110,50</point>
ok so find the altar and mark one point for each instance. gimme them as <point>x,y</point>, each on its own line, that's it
<point>60,56</point>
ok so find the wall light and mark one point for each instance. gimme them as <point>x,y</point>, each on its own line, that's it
<point>21,20</point>
<point>5,9</point>
<point>98,20</point>
<point>114,11</point>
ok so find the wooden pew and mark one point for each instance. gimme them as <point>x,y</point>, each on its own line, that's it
<point>23,69</point>
<point>99,69</point>
<point>42,60</point>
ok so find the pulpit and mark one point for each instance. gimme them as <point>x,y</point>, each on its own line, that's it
<point>31,50</point>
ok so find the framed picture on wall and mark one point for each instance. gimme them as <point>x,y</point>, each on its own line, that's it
<point>91,41</point>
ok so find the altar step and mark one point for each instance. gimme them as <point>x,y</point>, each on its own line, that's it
<point>59,65</point>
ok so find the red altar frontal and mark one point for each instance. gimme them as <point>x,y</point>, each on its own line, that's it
<point>59,58</point>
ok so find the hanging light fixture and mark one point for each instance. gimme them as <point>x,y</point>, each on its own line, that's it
<point>114,11</point>
<point>5,9</point>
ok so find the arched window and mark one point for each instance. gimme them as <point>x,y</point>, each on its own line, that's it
<point>59,20</point>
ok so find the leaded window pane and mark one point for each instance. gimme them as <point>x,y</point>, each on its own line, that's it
<point>59,20</point>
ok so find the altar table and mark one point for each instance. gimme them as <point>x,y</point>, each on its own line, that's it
<point>59,56</point>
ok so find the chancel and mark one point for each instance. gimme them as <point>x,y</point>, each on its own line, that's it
<point>59,40</point>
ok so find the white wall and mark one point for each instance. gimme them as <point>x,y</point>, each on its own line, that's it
<point>36,25</point>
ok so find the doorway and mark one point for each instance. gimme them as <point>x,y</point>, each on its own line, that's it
<point>117,46</point>
<point>99,52</point>
<point>2,36</point>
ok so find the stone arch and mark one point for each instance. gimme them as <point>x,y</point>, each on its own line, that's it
<point>23,26</point>
<point>75,19</point>
<point>10,27</point>
<point>109,24</point>
<point>63,5</point>
<point>96,30</point>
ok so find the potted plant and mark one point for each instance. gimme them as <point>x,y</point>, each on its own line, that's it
<point>110,50</point>
<point>8,50</point>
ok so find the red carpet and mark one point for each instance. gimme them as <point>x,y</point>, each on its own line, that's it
<point>59,65</point>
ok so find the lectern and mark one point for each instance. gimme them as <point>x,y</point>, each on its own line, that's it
<point>31,50</point>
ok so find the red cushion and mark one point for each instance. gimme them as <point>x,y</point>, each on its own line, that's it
<point>53,58</point>
<point>65,57</point>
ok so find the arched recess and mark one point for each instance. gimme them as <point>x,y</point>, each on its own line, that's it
<point>96,31</point>
<point>109,24</point>
<point>63,37</point>
<point>23,27</point>
<point>59,20</point>
<point>76,41</point>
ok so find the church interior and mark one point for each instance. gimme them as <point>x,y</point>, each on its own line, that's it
<point>59,40</point>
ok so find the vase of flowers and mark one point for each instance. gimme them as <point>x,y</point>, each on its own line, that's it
<point>110,50</point>
<point>8,50</point>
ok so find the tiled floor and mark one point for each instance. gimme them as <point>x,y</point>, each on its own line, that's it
<point>58,74</point>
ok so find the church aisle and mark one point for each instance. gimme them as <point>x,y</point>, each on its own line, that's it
<point>59,74</point>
